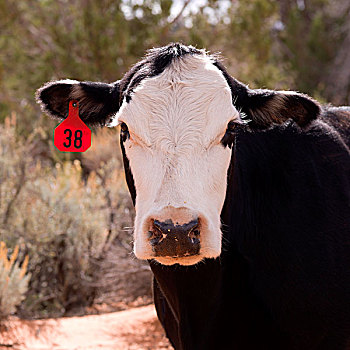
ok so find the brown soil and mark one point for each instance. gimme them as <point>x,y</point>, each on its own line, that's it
<point>134,329</point>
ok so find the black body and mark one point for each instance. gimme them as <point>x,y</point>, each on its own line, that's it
<point>282,281</point>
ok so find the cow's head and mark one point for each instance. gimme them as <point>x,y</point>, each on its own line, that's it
<point>177,109</point>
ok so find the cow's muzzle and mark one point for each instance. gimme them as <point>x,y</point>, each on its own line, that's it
<point>175,241</point>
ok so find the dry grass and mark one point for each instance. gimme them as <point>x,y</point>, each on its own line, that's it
<point>73,218</point>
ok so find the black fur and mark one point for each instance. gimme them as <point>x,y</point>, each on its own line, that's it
<point>152,65</point>
<point>128,174</point>
<point>283,278</point>
<point>262,108</point>
<point>97,101</point>
<point>282,281</point>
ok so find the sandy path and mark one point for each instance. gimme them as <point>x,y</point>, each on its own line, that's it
<point>134,329</point>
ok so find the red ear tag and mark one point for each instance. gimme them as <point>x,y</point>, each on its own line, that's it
<point>72,135</point>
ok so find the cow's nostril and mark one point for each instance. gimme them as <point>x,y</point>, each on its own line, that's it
<point>194,235</point>
<point>155,236</point>
<point>163,227</point>
<point>168,239</point>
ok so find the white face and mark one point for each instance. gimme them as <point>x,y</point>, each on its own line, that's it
<point>176,121</point>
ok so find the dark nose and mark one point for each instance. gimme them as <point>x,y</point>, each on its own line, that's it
<point>172,240</point>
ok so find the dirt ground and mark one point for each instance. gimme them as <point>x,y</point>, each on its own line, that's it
<point>133,329</point>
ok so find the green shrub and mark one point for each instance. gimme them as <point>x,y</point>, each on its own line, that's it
<point>67,216</point>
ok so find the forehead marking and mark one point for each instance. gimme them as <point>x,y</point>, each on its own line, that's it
<point>190,100</point>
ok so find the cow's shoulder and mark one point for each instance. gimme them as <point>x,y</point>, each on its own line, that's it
<point>339,119</point>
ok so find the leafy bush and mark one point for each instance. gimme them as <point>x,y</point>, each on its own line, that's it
<point>68,216</point>
<point>13,281</point>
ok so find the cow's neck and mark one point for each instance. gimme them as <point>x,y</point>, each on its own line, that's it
<point>189,296</point>
<point>193,295</point>
<point>212,300</point>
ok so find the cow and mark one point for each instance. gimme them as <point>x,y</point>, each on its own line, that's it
<point>242,200</point>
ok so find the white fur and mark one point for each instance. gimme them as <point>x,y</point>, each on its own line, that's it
<point>47,85</point>
<point>176,121</point>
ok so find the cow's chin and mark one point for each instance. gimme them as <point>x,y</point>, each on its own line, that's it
<point>187,260</point>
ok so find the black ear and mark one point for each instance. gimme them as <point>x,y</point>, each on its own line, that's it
<point>98,102</point>
<point>267,107</point>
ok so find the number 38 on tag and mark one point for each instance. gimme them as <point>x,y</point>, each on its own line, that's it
<point>72,135</point>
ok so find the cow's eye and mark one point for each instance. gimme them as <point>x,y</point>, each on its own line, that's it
<point>231,126</point>
<point>124,127</point>
<point>124,132</point>
<point>229,136</point>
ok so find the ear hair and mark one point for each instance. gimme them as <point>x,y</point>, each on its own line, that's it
<point>266,107</point>
<point>97,101</point>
